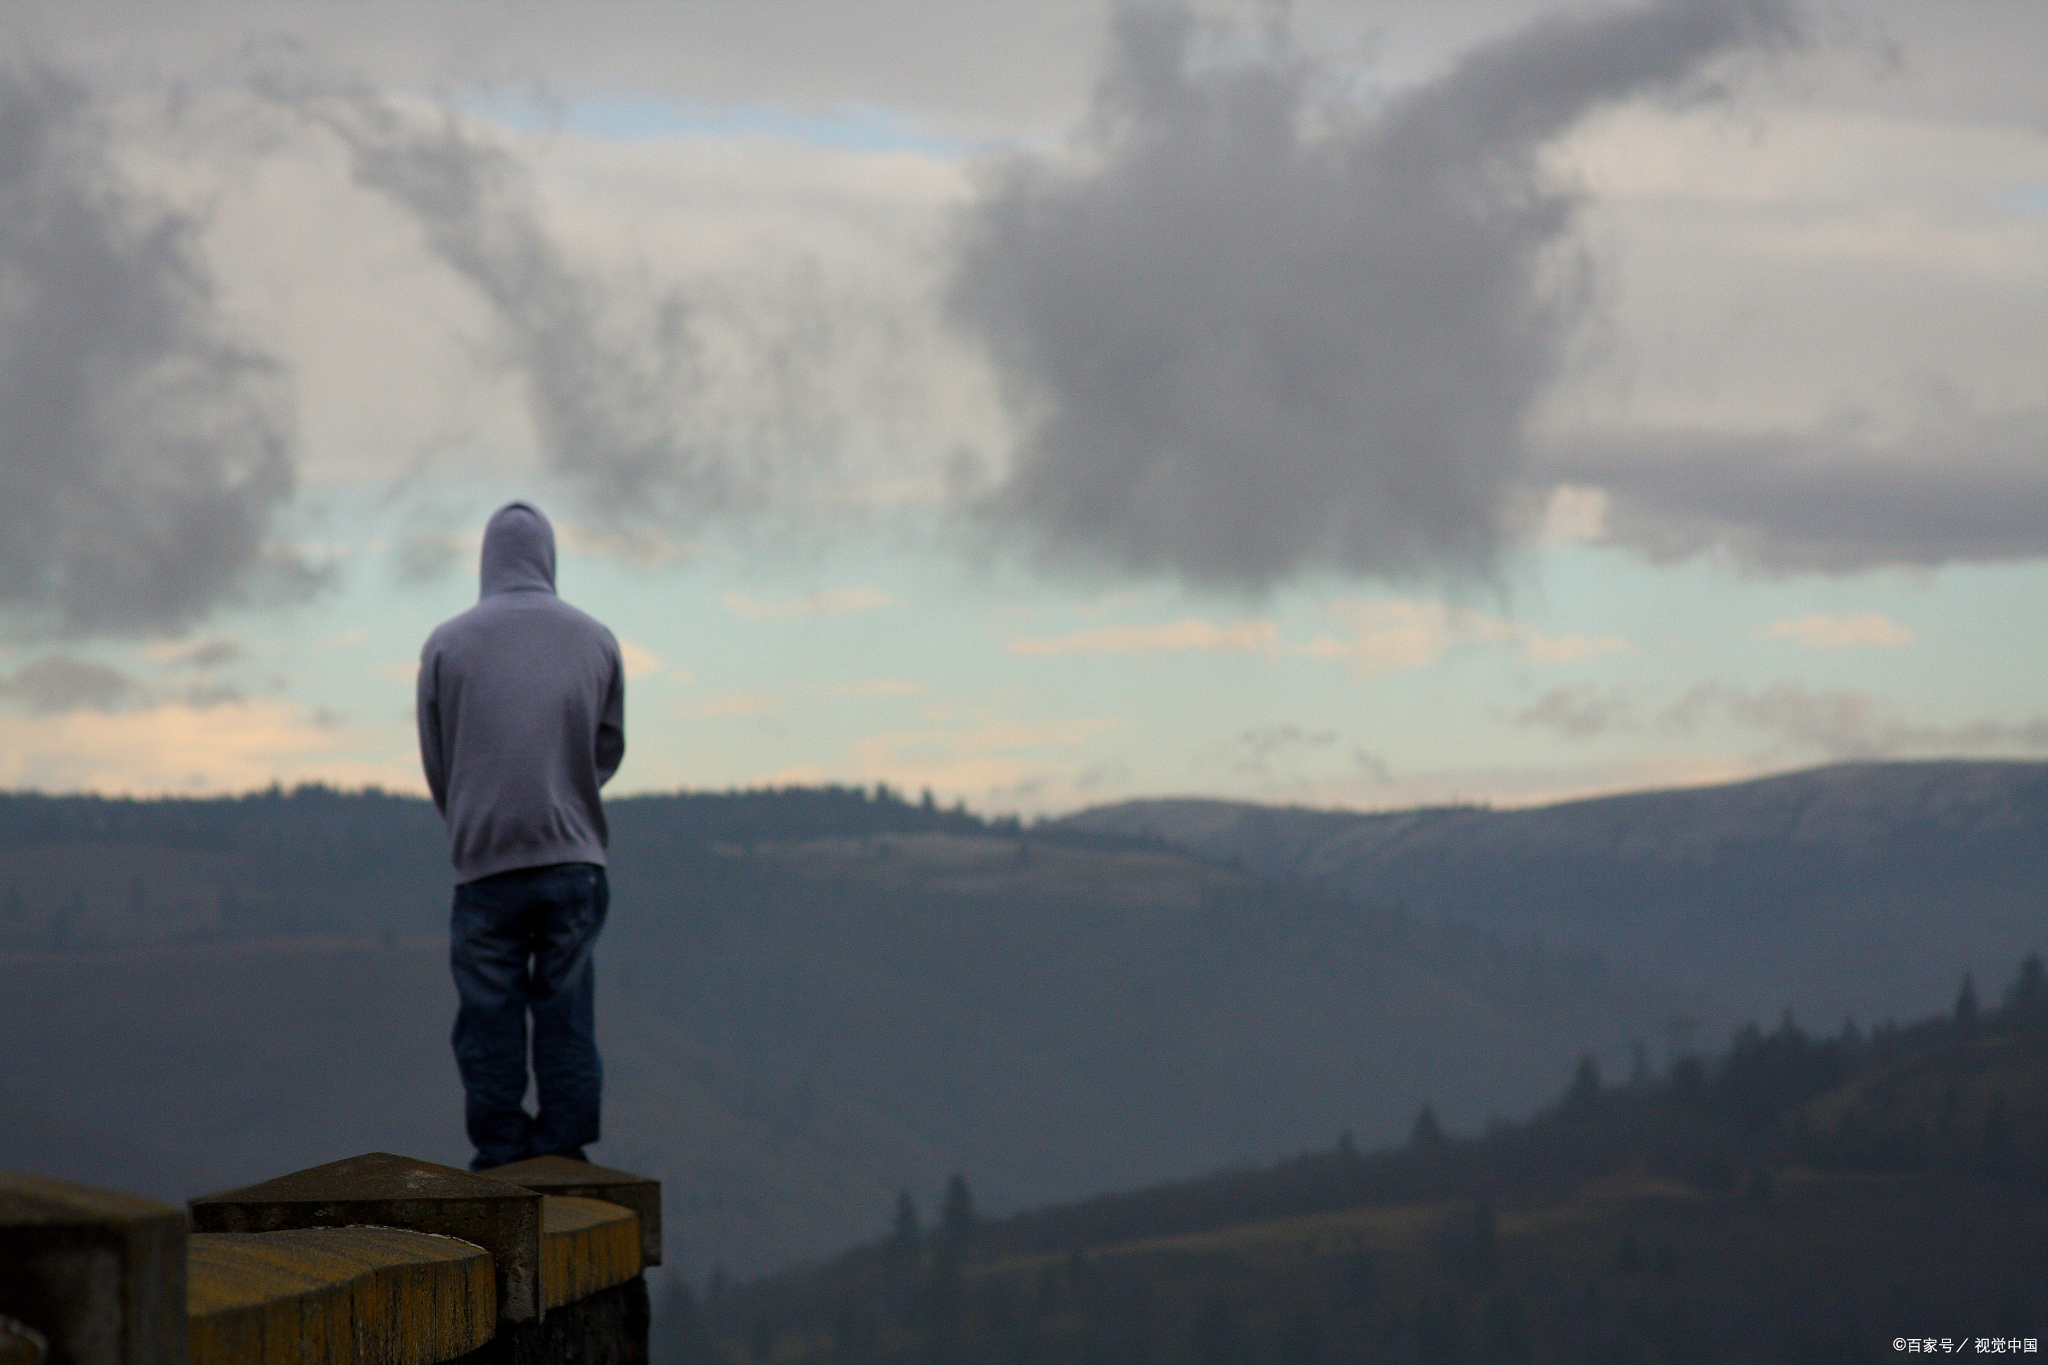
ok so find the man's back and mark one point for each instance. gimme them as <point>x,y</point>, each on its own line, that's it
<point>522,703</point>
<point>521,713</point>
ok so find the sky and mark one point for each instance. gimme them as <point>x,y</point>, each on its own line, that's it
<point>1346,403</point>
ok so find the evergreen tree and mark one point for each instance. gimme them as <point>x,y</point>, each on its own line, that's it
<point>2028,994</point>
<point>1584,1091</point>
<point>956,1218</point>
<point>1427,1132</point>
<point>681,1336</point>
<point>904,1240</point>
<point>1966,1004</point>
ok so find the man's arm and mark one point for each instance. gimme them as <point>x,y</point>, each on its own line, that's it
<point>611,727</point>
<point>428,710</point>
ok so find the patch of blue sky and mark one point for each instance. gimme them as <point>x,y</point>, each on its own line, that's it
<point>1977,642</point>
<point>919,658</point>
<point>639,118</point>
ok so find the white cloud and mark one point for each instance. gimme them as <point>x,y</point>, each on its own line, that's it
<point>194,750</point>
<point>734,705</point>
<point>1842,632</point>
<point>1393,634</point>
<point>1190,634</point>
<point>834,603</point>
<point>639,662</point>
<point>879,687</point>
<point>1384,635</point>
<point>1573,515</point>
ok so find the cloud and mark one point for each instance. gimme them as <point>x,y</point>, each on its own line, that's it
<point>1191,634</point>
<point>1384,635</point>
<point>428,548</point>
<point>837,602</point>
<point>1839,723</point>
<point>734,705</point>
<point>58,684</point>
<point>1579,711</point>
<point>1842,632</point>
<point>1256,750</point>
<point>668,405</point>
<point>176,746</point>
<point>1255,333</point>
<point>206,654</point>
<point>1845,724</point>
<point>1391,634</point>
<point>879,687</point>
<point>640,662</point>
<point>1959,486</point>
<point>143,448</point>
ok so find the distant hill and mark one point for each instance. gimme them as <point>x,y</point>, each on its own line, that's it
<point>1792,1199</point>
<point>1863,889</point>
<point>808,1001</point>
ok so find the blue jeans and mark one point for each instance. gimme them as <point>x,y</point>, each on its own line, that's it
<point>521,941</point>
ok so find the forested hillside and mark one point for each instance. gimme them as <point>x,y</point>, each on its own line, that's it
<point>1791,1199</point>
<point>807,1000</point>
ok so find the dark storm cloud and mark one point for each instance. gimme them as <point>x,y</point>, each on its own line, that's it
<point>1970,489</point>
<point>1257,333</point>
<point>142,450</point>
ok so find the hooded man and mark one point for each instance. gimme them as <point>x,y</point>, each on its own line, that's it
<point>522,704</point>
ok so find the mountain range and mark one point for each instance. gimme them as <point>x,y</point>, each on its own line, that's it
<point>814,999</point>
<point>1861,889</point>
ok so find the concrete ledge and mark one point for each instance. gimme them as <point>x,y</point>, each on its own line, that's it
<point>97,1273</point>
<point>560,1175</point>
<point>585,1245</point>
<point>376,1260</point>
<point>608,1328</point>
<point>337,1296</point>
<point>399,1192</point>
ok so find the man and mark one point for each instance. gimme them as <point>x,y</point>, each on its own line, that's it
<point>522,703</point>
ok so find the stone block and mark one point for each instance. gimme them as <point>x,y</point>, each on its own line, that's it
<point>100,1275</point>
<point>586,1245</point>
<point>400,1192</point>
<point>580,1179</point>
<point>337,1296</point>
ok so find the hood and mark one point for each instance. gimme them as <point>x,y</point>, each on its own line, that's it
<point>519,551</point>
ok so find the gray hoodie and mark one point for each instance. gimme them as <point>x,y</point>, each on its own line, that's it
<point>522,712</point>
